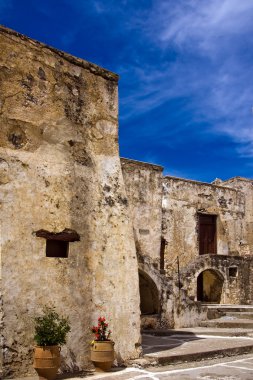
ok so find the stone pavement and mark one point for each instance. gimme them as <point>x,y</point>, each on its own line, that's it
<point>227,369</point>
<point>163,353</point>
<point>177,348</point>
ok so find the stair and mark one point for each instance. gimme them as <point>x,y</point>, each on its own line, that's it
<point>190,346</point>
<point>229,316</point>
<point>229,333</point>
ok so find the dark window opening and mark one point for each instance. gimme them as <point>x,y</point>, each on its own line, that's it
<point>232,271</point>
<point>57,243</point>
<point>57,248</point>
<point>162,254</point>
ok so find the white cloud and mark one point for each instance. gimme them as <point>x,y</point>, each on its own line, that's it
<point>213,44</point>
<point>212,68</point>
<point>200,24</point>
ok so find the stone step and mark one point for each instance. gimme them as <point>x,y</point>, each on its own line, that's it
<point>240,315</point>
<point>229,308</point>
<point>234,309</point>
<point>165,350</point>
<point>196,331</point>
<point>228,322</point>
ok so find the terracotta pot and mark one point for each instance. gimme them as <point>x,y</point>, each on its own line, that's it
<point>47,361</point>
<point>102,354</point>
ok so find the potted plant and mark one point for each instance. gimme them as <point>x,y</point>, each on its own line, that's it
<point>102,347</point>
<point>50,333</point>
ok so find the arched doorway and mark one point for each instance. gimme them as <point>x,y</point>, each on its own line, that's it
<point>149,295</point>
<point>209,286</point>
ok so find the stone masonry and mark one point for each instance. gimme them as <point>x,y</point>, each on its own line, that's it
<point>60,170</point>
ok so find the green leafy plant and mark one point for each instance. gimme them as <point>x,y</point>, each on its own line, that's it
<point>51,329</point>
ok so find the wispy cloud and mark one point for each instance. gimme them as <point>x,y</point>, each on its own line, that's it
<point>212,44</point>
<point>204,25</point>
<point>185,71</point>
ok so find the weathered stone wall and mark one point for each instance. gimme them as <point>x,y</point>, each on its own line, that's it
<point>144,190</point>
<point>246,187</point>
<point>182,201</point>
<point>60,168</point>
<point>143,183</point>
<point>236,285</point>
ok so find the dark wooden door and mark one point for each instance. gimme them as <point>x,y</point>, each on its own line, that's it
<point>207,234</point>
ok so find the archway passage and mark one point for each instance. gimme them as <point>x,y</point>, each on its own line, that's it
<point>148,294</point>
<point>209,286</point>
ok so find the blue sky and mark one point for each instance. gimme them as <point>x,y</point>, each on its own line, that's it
<point>186,74</point>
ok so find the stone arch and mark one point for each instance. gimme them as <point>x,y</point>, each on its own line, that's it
<point>210,283</point>
<point>149,295</point>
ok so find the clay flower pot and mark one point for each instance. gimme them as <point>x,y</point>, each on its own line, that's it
<point>50,333</point>
<point>47,361</point>
<point>102,354</point>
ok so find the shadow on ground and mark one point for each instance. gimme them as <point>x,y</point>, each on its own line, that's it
<point>156,341</point>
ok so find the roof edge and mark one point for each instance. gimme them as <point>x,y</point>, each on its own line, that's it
<point>199,182</point>
<point>92,67</point>
<point>141,163</point>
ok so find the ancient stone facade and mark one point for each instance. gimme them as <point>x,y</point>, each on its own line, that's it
<point>197,243</point>
<point>96,235</point>
<point>60,172</point>
<point>163,302</point>
<point>207,230</point>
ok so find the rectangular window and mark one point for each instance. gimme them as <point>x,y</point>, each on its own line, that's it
<point>232,271</point>
<point>57,248</point>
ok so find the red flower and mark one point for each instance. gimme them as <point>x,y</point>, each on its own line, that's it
<point>100,331</point>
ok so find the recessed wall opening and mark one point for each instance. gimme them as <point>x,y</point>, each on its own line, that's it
<point>149,295</point>
<point>232,272</point>
<point>57,243</point>
<point>162,254</point>
<point>57,248</point>
<point>207,234</point>
<point>209,286</point>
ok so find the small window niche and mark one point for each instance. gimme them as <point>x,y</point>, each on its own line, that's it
<point>57,243</point>
<point>232,272</point>
<point>57,248</point>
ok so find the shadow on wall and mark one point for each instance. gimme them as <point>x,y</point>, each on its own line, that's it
<point>149,295</point>
<point>209,286</point>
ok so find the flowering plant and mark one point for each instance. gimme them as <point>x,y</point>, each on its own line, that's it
<point>100,330</point>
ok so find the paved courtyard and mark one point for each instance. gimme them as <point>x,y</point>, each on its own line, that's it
<point>190,357</point>
<point>179,348</point>
<point>233,369</point>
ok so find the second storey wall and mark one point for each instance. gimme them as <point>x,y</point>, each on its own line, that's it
<point>183,201</point>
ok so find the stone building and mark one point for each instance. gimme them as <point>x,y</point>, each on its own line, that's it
<point>193,242</point>
<point>95,234</point>
<point>206,230</point>
<point>66,235</point>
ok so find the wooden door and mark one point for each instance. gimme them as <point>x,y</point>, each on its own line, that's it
<point>207,234</point>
